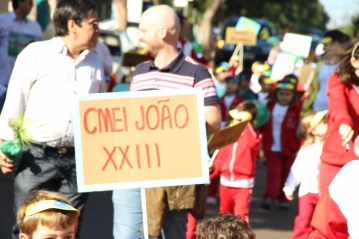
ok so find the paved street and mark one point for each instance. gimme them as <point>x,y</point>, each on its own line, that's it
<point>98,216</point>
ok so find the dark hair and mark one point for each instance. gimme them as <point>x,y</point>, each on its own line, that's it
<point>245,75</point>
<point>249,107</point>
<point>181,18</point>
<point>15,3</point>
<point>67,10</point>
<point>337,35</point>
<point>261,78</point>
<point>345,70</point>
<point>290,79</point>
<point>225,226</point>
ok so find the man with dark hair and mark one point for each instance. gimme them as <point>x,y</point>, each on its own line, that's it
<point>46,77</point>
<point>14,22</point>
<point>226,226</point>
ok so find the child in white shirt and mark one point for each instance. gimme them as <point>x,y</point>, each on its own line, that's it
<point>305,170</point>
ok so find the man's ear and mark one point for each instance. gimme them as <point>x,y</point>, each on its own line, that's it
<point>23,236</point>
<point>71,25</point>
<point>354,62</point>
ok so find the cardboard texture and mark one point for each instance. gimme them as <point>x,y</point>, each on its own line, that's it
<point>245,37</point>
<point>297,44</point>
<point>132,59</point>
<point>226,136</point>
<point>306,75</point>
<point>140,140</point>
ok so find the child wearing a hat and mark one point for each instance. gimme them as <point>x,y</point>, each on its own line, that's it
<point>236,164</point>
<point>280,143</point>
<point>244,81</point>
<point>220,74</point>
<point>305,171</point>
<point>47,214</point>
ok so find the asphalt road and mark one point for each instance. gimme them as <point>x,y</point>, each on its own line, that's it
<point>97,224</point>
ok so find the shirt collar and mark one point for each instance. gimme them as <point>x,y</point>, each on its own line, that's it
<point>173,66</point>
<point>60,47</point>
<point>14,17</point>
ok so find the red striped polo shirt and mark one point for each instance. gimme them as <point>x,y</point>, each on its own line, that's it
<point>183,72</point>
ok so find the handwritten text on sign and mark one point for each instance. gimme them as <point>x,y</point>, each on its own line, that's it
<point>140,139</point>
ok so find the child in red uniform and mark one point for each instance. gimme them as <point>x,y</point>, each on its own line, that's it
<point>305,170</point>
<point>229,102</point>
<point>236,164</point>
<point>343,116</point>
<point>280,143</point>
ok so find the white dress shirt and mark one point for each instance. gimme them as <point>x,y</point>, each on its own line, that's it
<point>42,86</point>
<point>9,22</point>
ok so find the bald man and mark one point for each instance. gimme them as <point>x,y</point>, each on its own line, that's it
<point>166,207</point>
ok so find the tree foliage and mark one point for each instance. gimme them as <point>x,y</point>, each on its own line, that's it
<point>294,14</point>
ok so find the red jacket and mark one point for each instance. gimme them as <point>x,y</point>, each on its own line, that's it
<point>238,161</point>
<point>290,144</point>
<point>236,101</point>
<point>343,109</point>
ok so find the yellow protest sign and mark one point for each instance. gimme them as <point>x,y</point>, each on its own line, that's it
<point>245,37</point>
<point>140,140</point>
<point>226,136</point>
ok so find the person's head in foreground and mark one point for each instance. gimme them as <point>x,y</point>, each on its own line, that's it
<point>245,111</point>
<point>225,226</point>
<point>46,214</point>
<point>159,30</point>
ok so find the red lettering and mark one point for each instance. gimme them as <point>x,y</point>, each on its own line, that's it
<point>138,156</point>
<point>125,118</point>
<point>124,156</point>
<point>158,156</point>
<point>166,115</point>
<point>109,158</point>
<point>148,118</point>
<point>106,117</point>
<point>143,120</point>
<point>114,120</point>
<point>176,111</point>
<point>85,121</point>
<point>148,156</point>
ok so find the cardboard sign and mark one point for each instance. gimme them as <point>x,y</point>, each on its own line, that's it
<point>246,24</point>
<point>297,44</point>
<point>226,136</point>
<point>132,59</point>
<point>283,65</point>
<point>306,75</point>
<point>234,36</point>
<point>18,41</point>
<point>140,139</point>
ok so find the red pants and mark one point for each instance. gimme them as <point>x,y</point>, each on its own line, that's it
<point>327,173</point>
<point>235,200</point>
<point>306,209</point>
<point>191,232</point>
<point>278,168</point>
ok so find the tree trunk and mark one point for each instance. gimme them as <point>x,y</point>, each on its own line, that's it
<point>207,24</point>
<point>122,14</point>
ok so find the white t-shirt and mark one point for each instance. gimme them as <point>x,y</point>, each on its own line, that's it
<point>321,99</point>
<point>254,84</point>
<point>262,97</point>
<point>278,115</point>
<point>228,101</point>
<point>305,171</point>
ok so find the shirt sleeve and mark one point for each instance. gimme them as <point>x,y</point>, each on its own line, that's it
<point>338,108</point>
<point>204,81</point>
<point>344,191</point>
<point>296,173</point>
<point>18,91</point>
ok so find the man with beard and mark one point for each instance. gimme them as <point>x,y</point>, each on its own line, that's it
<point>169,69</point>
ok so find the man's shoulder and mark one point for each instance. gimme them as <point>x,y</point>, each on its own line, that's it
<point>142,68</point>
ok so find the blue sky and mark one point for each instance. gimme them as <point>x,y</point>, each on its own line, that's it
<point>340,11</point>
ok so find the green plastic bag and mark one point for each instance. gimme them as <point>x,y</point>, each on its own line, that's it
<point>262,114</point>
<point>13,150</point>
